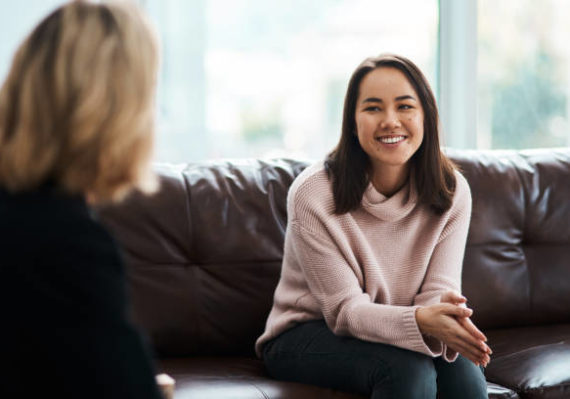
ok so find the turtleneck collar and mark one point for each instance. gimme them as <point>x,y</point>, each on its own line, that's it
<point>391,208</point>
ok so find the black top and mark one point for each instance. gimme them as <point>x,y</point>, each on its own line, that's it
<point>64,322</point>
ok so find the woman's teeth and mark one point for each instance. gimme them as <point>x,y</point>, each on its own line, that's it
<point>391,140</point>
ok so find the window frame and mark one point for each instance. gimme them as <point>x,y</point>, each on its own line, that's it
<point>457,73</point>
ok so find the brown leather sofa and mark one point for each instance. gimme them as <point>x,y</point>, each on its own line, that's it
<point>204,256</point>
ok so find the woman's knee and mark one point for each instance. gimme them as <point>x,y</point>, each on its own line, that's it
<point>411,375</point>
<point>461,378</point>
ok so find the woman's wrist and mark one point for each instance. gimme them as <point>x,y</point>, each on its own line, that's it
<point>419,313</point>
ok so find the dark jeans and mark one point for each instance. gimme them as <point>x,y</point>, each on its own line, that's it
<point>310,353</point>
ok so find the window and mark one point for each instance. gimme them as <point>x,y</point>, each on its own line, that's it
<point>252,78</point>
<point>523,73</point>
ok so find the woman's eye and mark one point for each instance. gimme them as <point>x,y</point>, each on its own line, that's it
<point>406,106</point>
<point>371,109</point>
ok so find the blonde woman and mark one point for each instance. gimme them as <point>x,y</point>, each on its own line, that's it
<point>76,128</point>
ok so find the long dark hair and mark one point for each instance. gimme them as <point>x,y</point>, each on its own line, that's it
<point>349,166</point>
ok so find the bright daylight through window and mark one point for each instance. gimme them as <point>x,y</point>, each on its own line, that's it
<point>252,78</point>
<point>523,73</point>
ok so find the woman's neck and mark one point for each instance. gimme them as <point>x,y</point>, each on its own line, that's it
<point>388,180</point>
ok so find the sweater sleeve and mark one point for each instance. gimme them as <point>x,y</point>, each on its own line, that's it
<point>334,282</point>
<point>444,269</point>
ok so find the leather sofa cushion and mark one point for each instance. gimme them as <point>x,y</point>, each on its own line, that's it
<point>204,257</point>
<point>239,378</point>
<point>204,253</point>
<point>245,378</point>
<point>519,238</point>
<point>534,360</point>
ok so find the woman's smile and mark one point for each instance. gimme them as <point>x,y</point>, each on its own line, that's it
<point>391,141</point>
<point>389,119</point>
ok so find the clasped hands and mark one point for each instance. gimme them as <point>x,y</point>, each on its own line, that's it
<point>449,322</point>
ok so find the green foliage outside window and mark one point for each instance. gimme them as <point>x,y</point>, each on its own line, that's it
<point>525,107</point>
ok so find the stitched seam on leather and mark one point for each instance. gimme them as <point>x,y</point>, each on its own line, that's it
<point>188,196</point>
<point>526,205</point>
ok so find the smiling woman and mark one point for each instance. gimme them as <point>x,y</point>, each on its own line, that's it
<point>368,301</point>
<point>407,105</point>
<point>389,125</point>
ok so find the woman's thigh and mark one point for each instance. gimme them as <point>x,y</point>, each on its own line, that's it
<point>460,379</point>
<point>310,353</point>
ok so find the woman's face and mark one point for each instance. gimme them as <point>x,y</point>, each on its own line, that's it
<point>389,118</point>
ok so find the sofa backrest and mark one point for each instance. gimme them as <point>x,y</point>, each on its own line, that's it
<point>516,269</point>
<point>204,254</point>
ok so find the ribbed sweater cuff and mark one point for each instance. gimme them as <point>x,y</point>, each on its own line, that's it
<point>449,354</point>
<point>415,337</point>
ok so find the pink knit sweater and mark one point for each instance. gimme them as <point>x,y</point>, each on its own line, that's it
<point>367,271</point>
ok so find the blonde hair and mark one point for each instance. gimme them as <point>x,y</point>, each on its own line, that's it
<point>77,107</point>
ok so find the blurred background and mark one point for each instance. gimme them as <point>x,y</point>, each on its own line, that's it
<point>262,78</point>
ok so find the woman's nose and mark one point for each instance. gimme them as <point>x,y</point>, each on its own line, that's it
<point>390,120</point>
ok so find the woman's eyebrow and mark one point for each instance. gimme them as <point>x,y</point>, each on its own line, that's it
<point>379,100</point>
<point>406,97</point>
<point>372,100</point>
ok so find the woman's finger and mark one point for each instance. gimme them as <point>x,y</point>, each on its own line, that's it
<point>479,337</point>
<point>452,297</point>
<point>453,334</point>
<point>465,351</point>
<point>469,339</point>
<point>455,329</point>
<point>472,353</point>
<point>455,310</point>
<point>472,329</point>
<point>467,329</point>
